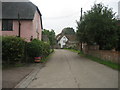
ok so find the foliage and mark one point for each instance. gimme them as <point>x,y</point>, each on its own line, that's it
<point>118,39</point>
<point>46,50</point>
<point>98,26</point>
<point>73,50</point>
<point>12,49</point>
<point>46,58</point>
<point>34,48</point>
<point>50,35</point>
<point>68,31</point>
<point>38,48</point>
<point>16,51</point>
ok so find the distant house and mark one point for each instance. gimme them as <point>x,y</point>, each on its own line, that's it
<point>62,41</point>
<point>67,38</point>
<point>21,19</point>
<point>66,41</point>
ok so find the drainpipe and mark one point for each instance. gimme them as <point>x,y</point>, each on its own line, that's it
<point>19,29</point>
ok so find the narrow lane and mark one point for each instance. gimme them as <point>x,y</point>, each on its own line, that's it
<point>66,69</point>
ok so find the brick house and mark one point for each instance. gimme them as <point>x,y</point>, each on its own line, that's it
<point>21,19</point>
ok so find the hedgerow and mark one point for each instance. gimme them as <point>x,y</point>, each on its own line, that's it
<point>17,50</point>
<point>12,49</point>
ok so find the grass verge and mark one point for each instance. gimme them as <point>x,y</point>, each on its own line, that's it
<point>99,60</point>
<point>73,50</point>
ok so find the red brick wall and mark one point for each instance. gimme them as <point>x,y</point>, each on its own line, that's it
<point>112,56</point>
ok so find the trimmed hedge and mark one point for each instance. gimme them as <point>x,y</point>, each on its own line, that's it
<point>38,48</point>
<point>12,49</point>
<point>16,50</point>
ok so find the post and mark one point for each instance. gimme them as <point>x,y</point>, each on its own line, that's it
<point>81,20</point>
<point>81,15</point>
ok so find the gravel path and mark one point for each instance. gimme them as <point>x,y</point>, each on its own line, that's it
<point>66,69</point>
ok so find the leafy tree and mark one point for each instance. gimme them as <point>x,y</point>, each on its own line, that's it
<point>68,31</point>
<point>51,36</point>
<point>118,39</point>
<point>98,26</point>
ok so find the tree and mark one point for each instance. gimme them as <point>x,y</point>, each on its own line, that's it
<point>68,31</point>
<point>52,38</point>
<point>118,39</point>
<point>98,26</point>
<point>50,35</point>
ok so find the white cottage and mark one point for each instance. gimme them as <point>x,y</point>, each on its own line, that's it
<point>62,41</point>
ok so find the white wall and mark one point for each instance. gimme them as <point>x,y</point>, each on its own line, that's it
<point>63,41</point>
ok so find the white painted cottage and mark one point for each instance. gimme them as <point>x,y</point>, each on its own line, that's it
<point>62,41</point>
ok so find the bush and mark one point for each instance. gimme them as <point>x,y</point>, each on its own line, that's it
<point>46,49</point>
<point>34,48</point>
<point>38,48</point>
<point>15,50</point>
<point>12,49</point>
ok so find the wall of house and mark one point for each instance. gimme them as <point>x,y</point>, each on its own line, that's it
<point>37,28</point>
<point>28,28</point>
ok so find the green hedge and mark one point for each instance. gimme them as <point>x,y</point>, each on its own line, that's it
<point>16,50</point>
<point>38,48</point>
<point>12,49</point>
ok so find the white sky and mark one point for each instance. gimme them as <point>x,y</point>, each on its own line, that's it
<point>58,14</point>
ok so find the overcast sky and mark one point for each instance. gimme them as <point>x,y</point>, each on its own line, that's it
<point>58,14</point>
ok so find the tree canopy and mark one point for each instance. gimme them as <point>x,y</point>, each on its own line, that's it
<point>50,35</point>
<point>68,31</point>
<point>98,26</point>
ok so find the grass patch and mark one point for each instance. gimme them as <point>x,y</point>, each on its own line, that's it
<point>73,50</point>
<point>99,60</point>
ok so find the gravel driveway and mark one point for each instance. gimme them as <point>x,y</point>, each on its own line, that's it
<point>66,69</point>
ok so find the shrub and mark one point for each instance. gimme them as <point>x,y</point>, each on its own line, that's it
<point>38,48</point>
<point>34,48</point>
<point>12,49</point>
<point>46,49</point>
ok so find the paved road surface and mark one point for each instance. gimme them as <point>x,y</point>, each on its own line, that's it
<point>66,69</point>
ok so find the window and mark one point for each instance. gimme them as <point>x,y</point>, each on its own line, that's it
<point>7,25</point>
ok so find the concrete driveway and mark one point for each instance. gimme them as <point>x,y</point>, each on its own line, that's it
<point>66,69</point>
